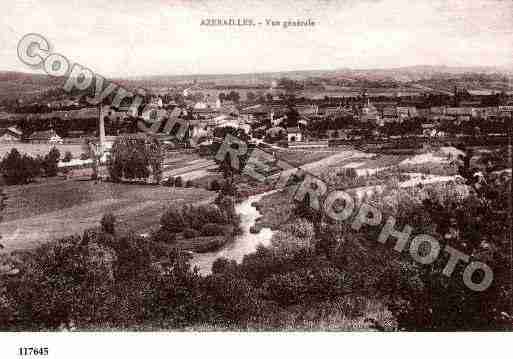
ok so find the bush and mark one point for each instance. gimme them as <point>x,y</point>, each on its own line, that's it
<point>164,236</point>
<point>169,182</point>
<point>175,219</point>
<point>348,173</point>
<point>322,282</point>
<point>189,184</point>
<point>17,169</point>
<point>84,156</point>
<point>108,223</point>
<point>190,233</point>
<point>300,228</point>
<point>212,229</point>
<point>51,161</point>
<point>67,157</point>
<point>197,216</point>
<point>172,220</point>
<point>178,182</point>
<point>214,185</point>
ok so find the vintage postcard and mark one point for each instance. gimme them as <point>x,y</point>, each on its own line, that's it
<point>255,166</point>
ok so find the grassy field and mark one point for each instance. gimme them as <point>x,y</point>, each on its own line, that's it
<point>37,213</point>
<point>300,157</point>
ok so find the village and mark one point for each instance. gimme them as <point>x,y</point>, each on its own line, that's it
<point>302,131</point>
<point>165,177</point>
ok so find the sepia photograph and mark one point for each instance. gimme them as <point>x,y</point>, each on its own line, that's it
<point>218,167</point>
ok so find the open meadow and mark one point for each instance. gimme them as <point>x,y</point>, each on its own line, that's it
<point>37,213</point>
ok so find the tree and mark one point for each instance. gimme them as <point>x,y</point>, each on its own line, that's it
<point>3,198</point>
<point>67,157</point>
<point>289,85</point>
<point>250,96</point>
<point>18,169</point>
<point>234,96</point>
<point>92,150</point>
<point>51,161</point>
<point>136,157</point>
<point>108,223</point>
<point>292,117</point>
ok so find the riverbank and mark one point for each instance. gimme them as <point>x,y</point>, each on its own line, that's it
<point>245,243</point>
<point>203,244</point>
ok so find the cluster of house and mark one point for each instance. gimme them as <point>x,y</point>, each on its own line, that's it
<point>13,134</point>
<point>209,113</point>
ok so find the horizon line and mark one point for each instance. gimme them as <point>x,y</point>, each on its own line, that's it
<point>498,68</point>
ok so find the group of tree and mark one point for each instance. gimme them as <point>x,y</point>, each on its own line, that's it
<point>136,157</point>
<point>22,169</point>
<point>216,219</point>
<point>289,85</point>
<point>231,96</point>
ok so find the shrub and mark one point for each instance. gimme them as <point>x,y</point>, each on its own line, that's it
<point>348,173</point>
<point>214,185</point>
<point>108,223</point>
<point>164,236</point>
<point>178,182</point>
<point>322,282</point>
<point>228,188</point>
<point>67,157</point>
<point>190,233</point>
<point>212,229</point>
<point>84,156</point>
<point>172,220</point>
<point>223,265</point>
<point>189,184</point>
<point>169,182</point>
<point>300,228</point>
<point>51,161</point>
<point>210,213</point>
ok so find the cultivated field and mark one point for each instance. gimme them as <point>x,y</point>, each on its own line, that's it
<point>373,171</point>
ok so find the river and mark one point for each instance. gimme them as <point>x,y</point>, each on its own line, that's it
<point>244,243</point>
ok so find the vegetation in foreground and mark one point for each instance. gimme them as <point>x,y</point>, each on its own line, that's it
<point>316,274</point>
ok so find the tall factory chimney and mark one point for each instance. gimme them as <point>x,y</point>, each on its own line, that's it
<point>104,110</point>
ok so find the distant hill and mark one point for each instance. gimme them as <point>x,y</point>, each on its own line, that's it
<point>417,73</point>
<point>401,74</point>
<point>16,84</point>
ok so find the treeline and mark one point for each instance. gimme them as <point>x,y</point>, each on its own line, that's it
<point>64,126</point>
<point>22,169</point>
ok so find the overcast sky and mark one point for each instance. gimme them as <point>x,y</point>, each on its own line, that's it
<point>158,37</point>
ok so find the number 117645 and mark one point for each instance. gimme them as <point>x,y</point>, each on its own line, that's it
<point>33,351</point>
